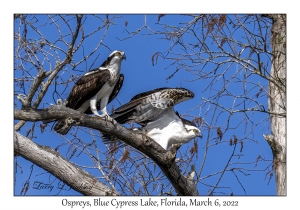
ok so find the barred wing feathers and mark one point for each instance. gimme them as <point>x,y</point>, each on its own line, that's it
<point>146,106</point>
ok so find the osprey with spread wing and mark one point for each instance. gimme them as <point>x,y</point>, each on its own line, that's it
<point>95,89</point>
<point>154,111</point>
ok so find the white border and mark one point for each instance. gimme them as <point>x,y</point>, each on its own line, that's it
<point>157,7</point>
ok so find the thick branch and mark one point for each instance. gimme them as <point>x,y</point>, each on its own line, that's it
<point>164,159</point>
<point>53,162</point>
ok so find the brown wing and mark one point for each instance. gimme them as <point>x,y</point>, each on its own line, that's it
<point>126,112</point>
<point>146,93</point>
<point>136,100</point>
<point>87,87</point>
<point>114,93</point>
<point>141,109</point>
<point>137,109</point>
<point>117,88</point>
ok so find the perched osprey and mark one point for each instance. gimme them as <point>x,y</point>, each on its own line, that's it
<point>169,128</point>
<point>154,111</point>
<point>95,89</point>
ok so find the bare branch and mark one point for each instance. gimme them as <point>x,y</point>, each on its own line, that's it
<point>57,69</point>
<point>164,159</point>
<point>57,165</point>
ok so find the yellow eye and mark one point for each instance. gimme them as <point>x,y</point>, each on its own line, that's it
<point>195,130</point>
<point>118,53</point>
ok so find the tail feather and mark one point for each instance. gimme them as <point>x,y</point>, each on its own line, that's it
<point>131,111</point>
<point>123,117</point>
<point>129,106</point>
<point>62,127</point>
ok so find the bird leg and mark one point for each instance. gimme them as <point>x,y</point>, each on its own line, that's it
<point>104,114</point>
<point>107,117</point>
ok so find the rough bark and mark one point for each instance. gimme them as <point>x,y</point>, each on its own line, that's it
<point>164,159</point>
<point>277,101</point>
<point>53,162</point>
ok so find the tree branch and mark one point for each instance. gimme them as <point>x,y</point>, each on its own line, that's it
<point>164,159</point>
<point>57,69</point>
<point>245,110</point>
<point>53,162</point>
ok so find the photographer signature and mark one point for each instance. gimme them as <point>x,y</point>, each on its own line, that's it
<point>61,185</point>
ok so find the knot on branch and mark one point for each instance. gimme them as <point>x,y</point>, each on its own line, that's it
<point>42,75</point>
<point>146,141</point>
<point>59,102</point>
<point>110,193</point>
<point>24,101</point>
<point>175,148</point>
<point>192,173</point>
<point>70,121</point>
<point>275,146</point>
<point>79,121</point>
<point>170,156</point>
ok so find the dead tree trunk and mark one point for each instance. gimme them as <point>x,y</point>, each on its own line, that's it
<point>277,101</point>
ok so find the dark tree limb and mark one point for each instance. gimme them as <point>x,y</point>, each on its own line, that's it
<point>53,162</point>
<point>163,158</point>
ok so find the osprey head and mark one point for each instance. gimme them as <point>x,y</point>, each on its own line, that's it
<point>115,57</point>
<point>117,54</point>
<point>193,131</point>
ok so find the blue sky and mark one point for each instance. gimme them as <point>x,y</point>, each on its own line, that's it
<point>141,75</point>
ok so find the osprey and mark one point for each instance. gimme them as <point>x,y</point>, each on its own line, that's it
<point>95,89</point>
<point>154,111</point>
<point>169,128</point>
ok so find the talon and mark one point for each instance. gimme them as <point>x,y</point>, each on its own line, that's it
<point>102,115</point>
<point>107,118</point>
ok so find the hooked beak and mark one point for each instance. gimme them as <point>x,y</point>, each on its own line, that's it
<point>200,135</point>
<point>124,56</point>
